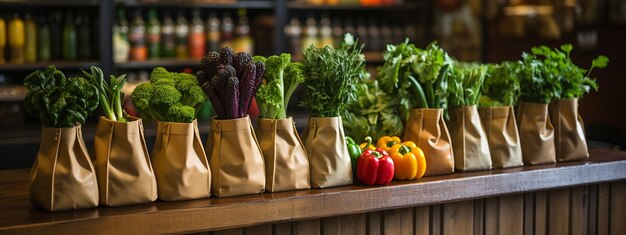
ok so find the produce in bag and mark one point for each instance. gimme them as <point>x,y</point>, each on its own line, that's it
<point>122,163</point>
<point>471,149</point>
<point>538,87</point>
<point>286,162</point>
<point>569,137</point>
<point>331,75</point>
<point>420,78</point>
<point>500,92</point>
<point>63,176</point>
<point>178,158</point>
<point>231,81</point>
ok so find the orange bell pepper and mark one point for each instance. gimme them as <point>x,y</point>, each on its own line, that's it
<point>386,142</point>
<point>409,160</point>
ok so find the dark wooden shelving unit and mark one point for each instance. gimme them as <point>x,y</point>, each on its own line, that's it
<point>42,65</point>
<point>49,2</point>
<point>170,63</point>
<point>407,6</point>
<point>199,3</point>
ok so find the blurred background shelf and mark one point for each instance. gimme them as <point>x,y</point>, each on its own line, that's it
<point>12,93</point>
<point>406,6</point>
<point>49,2</point>
<point>169,63</point>
<point>29,67</point>
<point>199,3</point>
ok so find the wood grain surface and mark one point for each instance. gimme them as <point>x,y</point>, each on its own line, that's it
<point>406,207</point>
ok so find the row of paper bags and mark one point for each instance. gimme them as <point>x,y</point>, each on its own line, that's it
<point>178,168</point>
<point>486,138</point>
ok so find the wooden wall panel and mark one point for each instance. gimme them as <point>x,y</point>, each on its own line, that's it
<point>492,214</point>
<point>374,226</point>
<point>558,219</point>
<point>458,218</point>
<point>604,196</point>
<point>422,220</point>
<point>511,220</point>
<point>618,208</point>
<point>306,227</point>
<point>579,210</point>
<point>281,229</point>
<point>399,221</point>
<point>541,213</point>
<point>594,209</point>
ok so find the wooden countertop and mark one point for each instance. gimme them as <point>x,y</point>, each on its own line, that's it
<point>18,216</point>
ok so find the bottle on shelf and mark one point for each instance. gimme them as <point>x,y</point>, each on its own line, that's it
<point>243,41</point>
<point>84,36</point>
<point>3,38</point>
<point>386,34</point>
<point>56,35</point>
<point>121,46</point>
<point>69,37</point>
<point>43,40</point>
<point>374,37</point>
<point>153,35</point>
<point>30,39</point>
<point>326,32</point>
<point>137,36</point>
<point>197,37</point>
<point>16,39</point>
<point>213,32</point>
<point>293,32</point>
<point>227,30</point>
<point>168,38</point>
<point>182,32</point>
<point>361,33</point>
<point>337,32</point>
<point>310,33</point>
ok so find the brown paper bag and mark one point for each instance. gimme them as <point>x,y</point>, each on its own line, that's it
<point>569,129</point>
<point>63,176</point>
<point>502,135</point>
<point>471,149</point>
<point>536,133</point>
<point>180,164</point>
<point>325,144</point>
<point>122,163</point>
<point>286,162</point>
<point>428,130</point>
<point>236,158</point>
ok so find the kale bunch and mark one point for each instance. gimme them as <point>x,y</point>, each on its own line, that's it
<point>59,101</point>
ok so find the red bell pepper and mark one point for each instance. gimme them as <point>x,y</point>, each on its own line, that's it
<point>375,167</point>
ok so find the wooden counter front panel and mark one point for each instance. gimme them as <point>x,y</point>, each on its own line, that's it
<point>592,209</point>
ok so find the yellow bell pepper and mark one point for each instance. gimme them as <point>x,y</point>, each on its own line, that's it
<point>367,144</point>
<point>409,160</point>
<point>386,142</point>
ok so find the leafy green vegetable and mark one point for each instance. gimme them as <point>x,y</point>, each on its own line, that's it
<point>418,76</point>
<point>466,80</point>
<point>374,113</point>
<point>556,76</point>
<point>59,101</point>
<point>281,79</point>
<point>331,75</point>
<point>501,87</point>
<point>169,97</point>
<point>110,95</point>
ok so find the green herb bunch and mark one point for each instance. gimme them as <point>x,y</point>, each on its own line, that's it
<point>374,113</point>
<point>59,101</point>
<point>465,85</point>
<point>418,76</point>
<point>331,77</point>
<point>501,87</point>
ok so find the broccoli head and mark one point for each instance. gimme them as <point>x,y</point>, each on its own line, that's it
<point>169,96</point>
